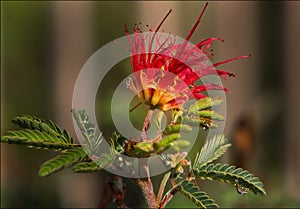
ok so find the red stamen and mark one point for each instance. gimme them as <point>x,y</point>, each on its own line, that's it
<point>158,27</point>
<point>191,33</point>
<point>208,41</point>
<point>210,86</point>
<point>163,20</point>
<point>197,23</point>
<point>229,60</point>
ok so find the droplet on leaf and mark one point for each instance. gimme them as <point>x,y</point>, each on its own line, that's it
<point>241,190</point>
<point>205,126</point>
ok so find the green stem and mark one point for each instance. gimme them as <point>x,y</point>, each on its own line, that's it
<point>170,194</point>
<point>136,106</point>
<point>162,188</point>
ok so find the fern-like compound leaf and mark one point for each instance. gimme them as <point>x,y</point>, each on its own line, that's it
<point>211,150</point>
<point>88,130</point>
<point>65,159</point>
<point>209,114</point>
<point>34,123</point>
<point>103,161</point>
<point>197,120</point>
<point>176,128</point>
<point>205,103</point>
<point>86,167</point>
<point>117,142</point>
<point>241,179</point>
<point>193,192</point>
<point>37,139</point>
<point>84,123</point>
<point>166,141</point>
<point>200,113</point>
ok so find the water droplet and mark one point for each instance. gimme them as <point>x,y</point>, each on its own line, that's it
<point>205,126</point>
<point>241,190</point>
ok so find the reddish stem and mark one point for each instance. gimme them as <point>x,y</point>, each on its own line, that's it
<point>145,183</point>
<point>147,190</point>
<point>146,125</point>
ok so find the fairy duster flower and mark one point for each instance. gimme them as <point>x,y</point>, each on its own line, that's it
<point>166,72</point>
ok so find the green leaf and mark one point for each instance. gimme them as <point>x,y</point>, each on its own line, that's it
<point>232,175</point>
<point>176,128</point>
<point>199,114</point>
<point>197,120</point>
<point>165,142</point>
<point>211,150</point>
<point>34,123</point>
<point>37,139</point>
<point>86,126</point>
<point>65,159</point>
<point>86,167</point>
<point>117,142</point>
<point>88,130</point>
<point>209,114</point>
<point>205,103</point>
<point>144,148</point>
<point>176,115</point>
<point>200,198</point>
<point>179,144</point>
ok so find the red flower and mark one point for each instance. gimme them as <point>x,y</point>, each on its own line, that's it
<point>166,71</point>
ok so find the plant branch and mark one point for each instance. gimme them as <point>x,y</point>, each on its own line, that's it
<point>147,189</point>
<point>113,193</point>
<point>145,183</point>
<point>170,194</point>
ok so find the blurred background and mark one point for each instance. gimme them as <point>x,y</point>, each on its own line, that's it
<point>45,44</point>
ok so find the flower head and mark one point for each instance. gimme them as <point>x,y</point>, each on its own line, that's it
<point>166,71</point>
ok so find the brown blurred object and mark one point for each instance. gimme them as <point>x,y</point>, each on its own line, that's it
<point>292,84</point>
<point>114,191</point>
<point>243,142</point>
